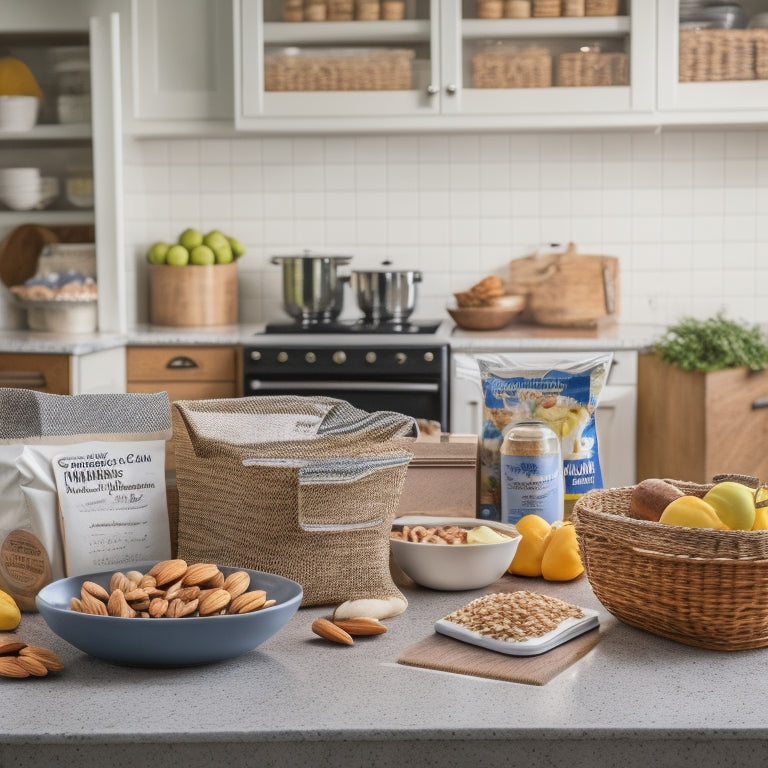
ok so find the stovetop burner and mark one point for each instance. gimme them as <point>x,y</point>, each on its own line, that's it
<point>355,327</point>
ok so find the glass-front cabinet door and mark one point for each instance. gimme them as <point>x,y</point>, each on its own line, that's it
<point>555,57</point>
<point>443,63</point>
<point>360,59</point>
<point>713,59</point>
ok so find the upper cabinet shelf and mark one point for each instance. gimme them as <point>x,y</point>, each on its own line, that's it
<point>346,32</point>
<point>441,68</point>
<point>51,132</point>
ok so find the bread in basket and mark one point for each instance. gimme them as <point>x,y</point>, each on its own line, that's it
<point>702,587</point>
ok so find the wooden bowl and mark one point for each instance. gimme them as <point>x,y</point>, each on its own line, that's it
<point>489,318</point>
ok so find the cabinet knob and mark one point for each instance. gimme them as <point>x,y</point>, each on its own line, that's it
<point>432,90</point>
<point>451,88</point>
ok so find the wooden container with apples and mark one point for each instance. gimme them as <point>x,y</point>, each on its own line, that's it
<point>193,282</point>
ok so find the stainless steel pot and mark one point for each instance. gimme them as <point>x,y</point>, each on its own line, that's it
<point>384,294</point>
<point>312,290</point>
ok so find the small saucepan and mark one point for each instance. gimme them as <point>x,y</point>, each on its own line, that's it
<point>385,295</point>
<point>312,289</point>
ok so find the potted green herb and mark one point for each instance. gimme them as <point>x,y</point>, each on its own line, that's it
<point>702,403</point>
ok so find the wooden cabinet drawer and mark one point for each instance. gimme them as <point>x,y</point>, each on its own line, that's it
<point>43,373</point>
<point>178,364</point>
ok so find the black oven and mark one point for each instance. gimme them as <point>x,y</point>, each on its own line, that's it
<point>369,371</point>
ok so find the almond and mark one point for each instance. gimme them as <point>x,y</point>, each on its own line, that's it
<point>91,604</point>
<point>11,647</point>
<point>147,581</point>
<point>157,607</point>
<point>10,667</point>
<point>134,577</point>
<point>118,580</point>
<point>217,581</point>
<point>329,631</point>
<point>168,571</point>
<point>248,601</point>
<point>118,606</point>
<point>48,657</point>
<point>188,593</point>
<point>190,607</point>
<point>171,592</point>
<point>363,625</point>
<point>33,665</point>
<point>175,608</point>
<point>92,588</point>
<point>200,573</point>
<point>237,583</point>
<point>76,604</point>
<point>215,601</point>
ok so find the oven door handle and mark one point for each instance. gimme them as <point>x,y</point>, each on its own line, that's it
<point>321,386</point>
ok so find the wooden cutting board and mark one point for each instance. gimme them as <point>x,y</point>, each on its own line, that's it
<point>448,655</point>
<point>20,249</point>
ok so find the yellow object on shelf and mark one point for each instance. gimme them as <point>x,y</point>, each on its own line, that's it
<point>16,79</point>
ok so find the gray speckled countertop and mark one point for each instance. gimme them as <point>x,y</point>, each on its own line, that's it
<point>513,338</point>
<point>633,700</point>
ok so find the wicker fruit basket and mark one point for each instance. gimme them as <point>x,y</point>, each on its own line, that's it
<point>700,587</point>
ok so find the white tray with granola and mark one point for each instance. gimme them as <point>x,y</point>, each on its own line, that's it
<point>518,623</point>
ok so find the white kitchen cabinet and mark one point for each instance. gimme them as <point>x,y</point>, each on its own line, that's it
<point>615,418</point>
<point>31,31</point>
<point>181,63</point>
<point>711,76</point>
<point>448,90</point>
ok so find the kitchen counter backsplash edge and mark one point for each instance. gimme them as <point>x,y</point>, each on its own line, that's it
<point>513,338</point>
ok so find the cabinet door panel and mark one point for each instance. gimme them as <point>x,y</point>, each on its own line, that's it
<point>182,52</point>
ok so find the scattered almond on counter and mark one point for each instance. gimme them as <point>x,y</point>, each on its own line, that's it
<point>344,630</point>
<point>19,660</point>
<point>330,631</point>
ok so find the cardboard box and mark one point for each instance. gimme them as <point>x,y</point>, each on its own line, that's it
<point>442,477</point>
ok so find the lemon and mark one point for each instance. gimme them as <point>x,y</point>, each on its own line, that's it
<point>484,535</point>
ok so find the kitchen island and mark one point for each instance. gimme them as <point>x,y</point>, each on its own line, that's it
<point>634,700</point>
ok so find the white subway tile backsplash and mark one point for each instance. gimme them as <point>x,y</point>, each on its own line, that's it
<point>682,210</point>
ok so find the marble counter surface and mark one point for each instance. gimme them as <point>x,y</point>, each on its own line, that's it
<point>633,700</point>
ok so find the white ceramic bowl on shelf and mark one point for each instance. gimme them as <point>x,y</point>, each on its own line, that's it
<point>18,113</point>
<point>454,567</point>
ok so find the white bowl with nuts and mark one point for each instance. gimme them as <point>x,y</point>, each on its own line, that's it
<point>169,614</point>
<point>450,553</point>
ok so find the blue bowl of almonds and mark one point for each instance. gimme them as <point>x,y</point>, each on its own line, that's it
<point>169,614</point>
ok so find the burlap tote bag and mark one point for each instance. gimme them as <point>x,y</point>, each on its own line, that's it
<point>302,487</point>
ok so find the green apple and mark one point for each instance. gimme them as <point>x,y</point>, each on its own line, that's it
<point>734,504</point>
<point>157,252</point>
<point>238,249</point>
<point>224,254</point>
<point>215,239</point>
<point>202,255</point>
<point>177,256</point>
<point>190,238</point>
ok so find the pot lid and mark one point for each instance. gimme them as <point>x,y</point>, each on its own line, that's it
<point>307,254</point>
